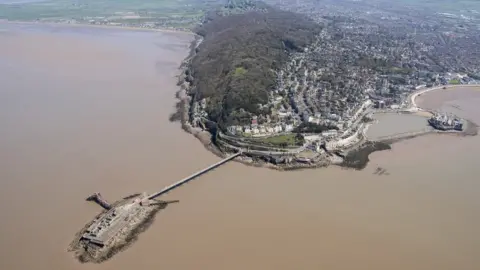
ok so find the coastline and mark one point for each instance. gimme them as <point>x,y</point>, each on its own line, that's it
<point>116,27</point>
<point>353,157</point>
<point>356,157</point>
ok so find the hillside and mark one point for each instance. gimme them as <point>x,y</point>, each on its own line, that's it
<point>234,68</point>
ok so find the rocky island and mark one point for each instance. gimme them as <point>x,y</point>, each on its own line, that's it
<point>294,90</point>
<point>115,228</point>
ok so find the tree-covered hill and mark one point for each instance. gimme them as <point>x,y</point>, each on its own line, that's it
<point>235,65</point>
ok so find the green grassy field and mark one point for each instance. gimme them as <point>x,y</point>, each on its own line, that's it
<point>287,138</point>
<point>454,81</point>
<point>282,140</point>
<point>119,11</point>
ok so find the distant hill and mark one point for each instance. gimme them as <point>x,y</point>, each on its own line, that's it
<point>235,65</point>
<point>240,4</point>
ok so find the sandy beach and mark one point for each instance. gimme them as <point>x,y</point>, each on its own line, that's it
<point>87,110</point>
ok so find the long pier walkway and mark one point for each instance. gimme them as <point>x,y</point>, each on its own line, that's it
<point>193,176</point>
<point>404,135</point>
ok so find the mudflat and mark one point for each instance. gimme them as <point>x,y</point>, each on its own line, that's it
<point>85,110</point>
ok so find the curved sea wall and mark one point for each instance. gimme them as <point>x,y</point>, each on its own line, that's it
<point>413,96</point>
<point>348,141</point>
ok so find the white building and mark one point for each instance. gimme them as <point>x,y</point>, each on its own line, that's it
<point>330,133</point>
<point>315,120</point>
<point>203,103</point>
<point>262,130</point>
<point>288,128</point>
<point>334,117</point>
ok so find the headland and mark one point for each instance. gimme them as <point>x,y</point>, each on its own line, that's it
<point>293,105</point>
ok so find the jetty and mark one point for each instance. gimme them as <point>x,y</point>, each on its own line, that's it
<point>404,135</point>
<point>97,197</point>
<point>193,176</point>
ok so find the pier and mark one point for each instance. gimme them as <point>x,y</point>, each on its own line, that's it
<point>403,135</point>
<point>193,176</point>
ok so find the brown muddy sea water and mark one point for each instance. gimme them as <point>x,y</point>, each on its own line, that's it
<point>85,110</point>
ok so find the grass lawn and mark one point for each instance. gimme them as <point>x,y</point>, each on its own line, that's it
<point>239,71</point>
<point>454,82</point>
<point>148,10</point>
<point>289,139</point>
